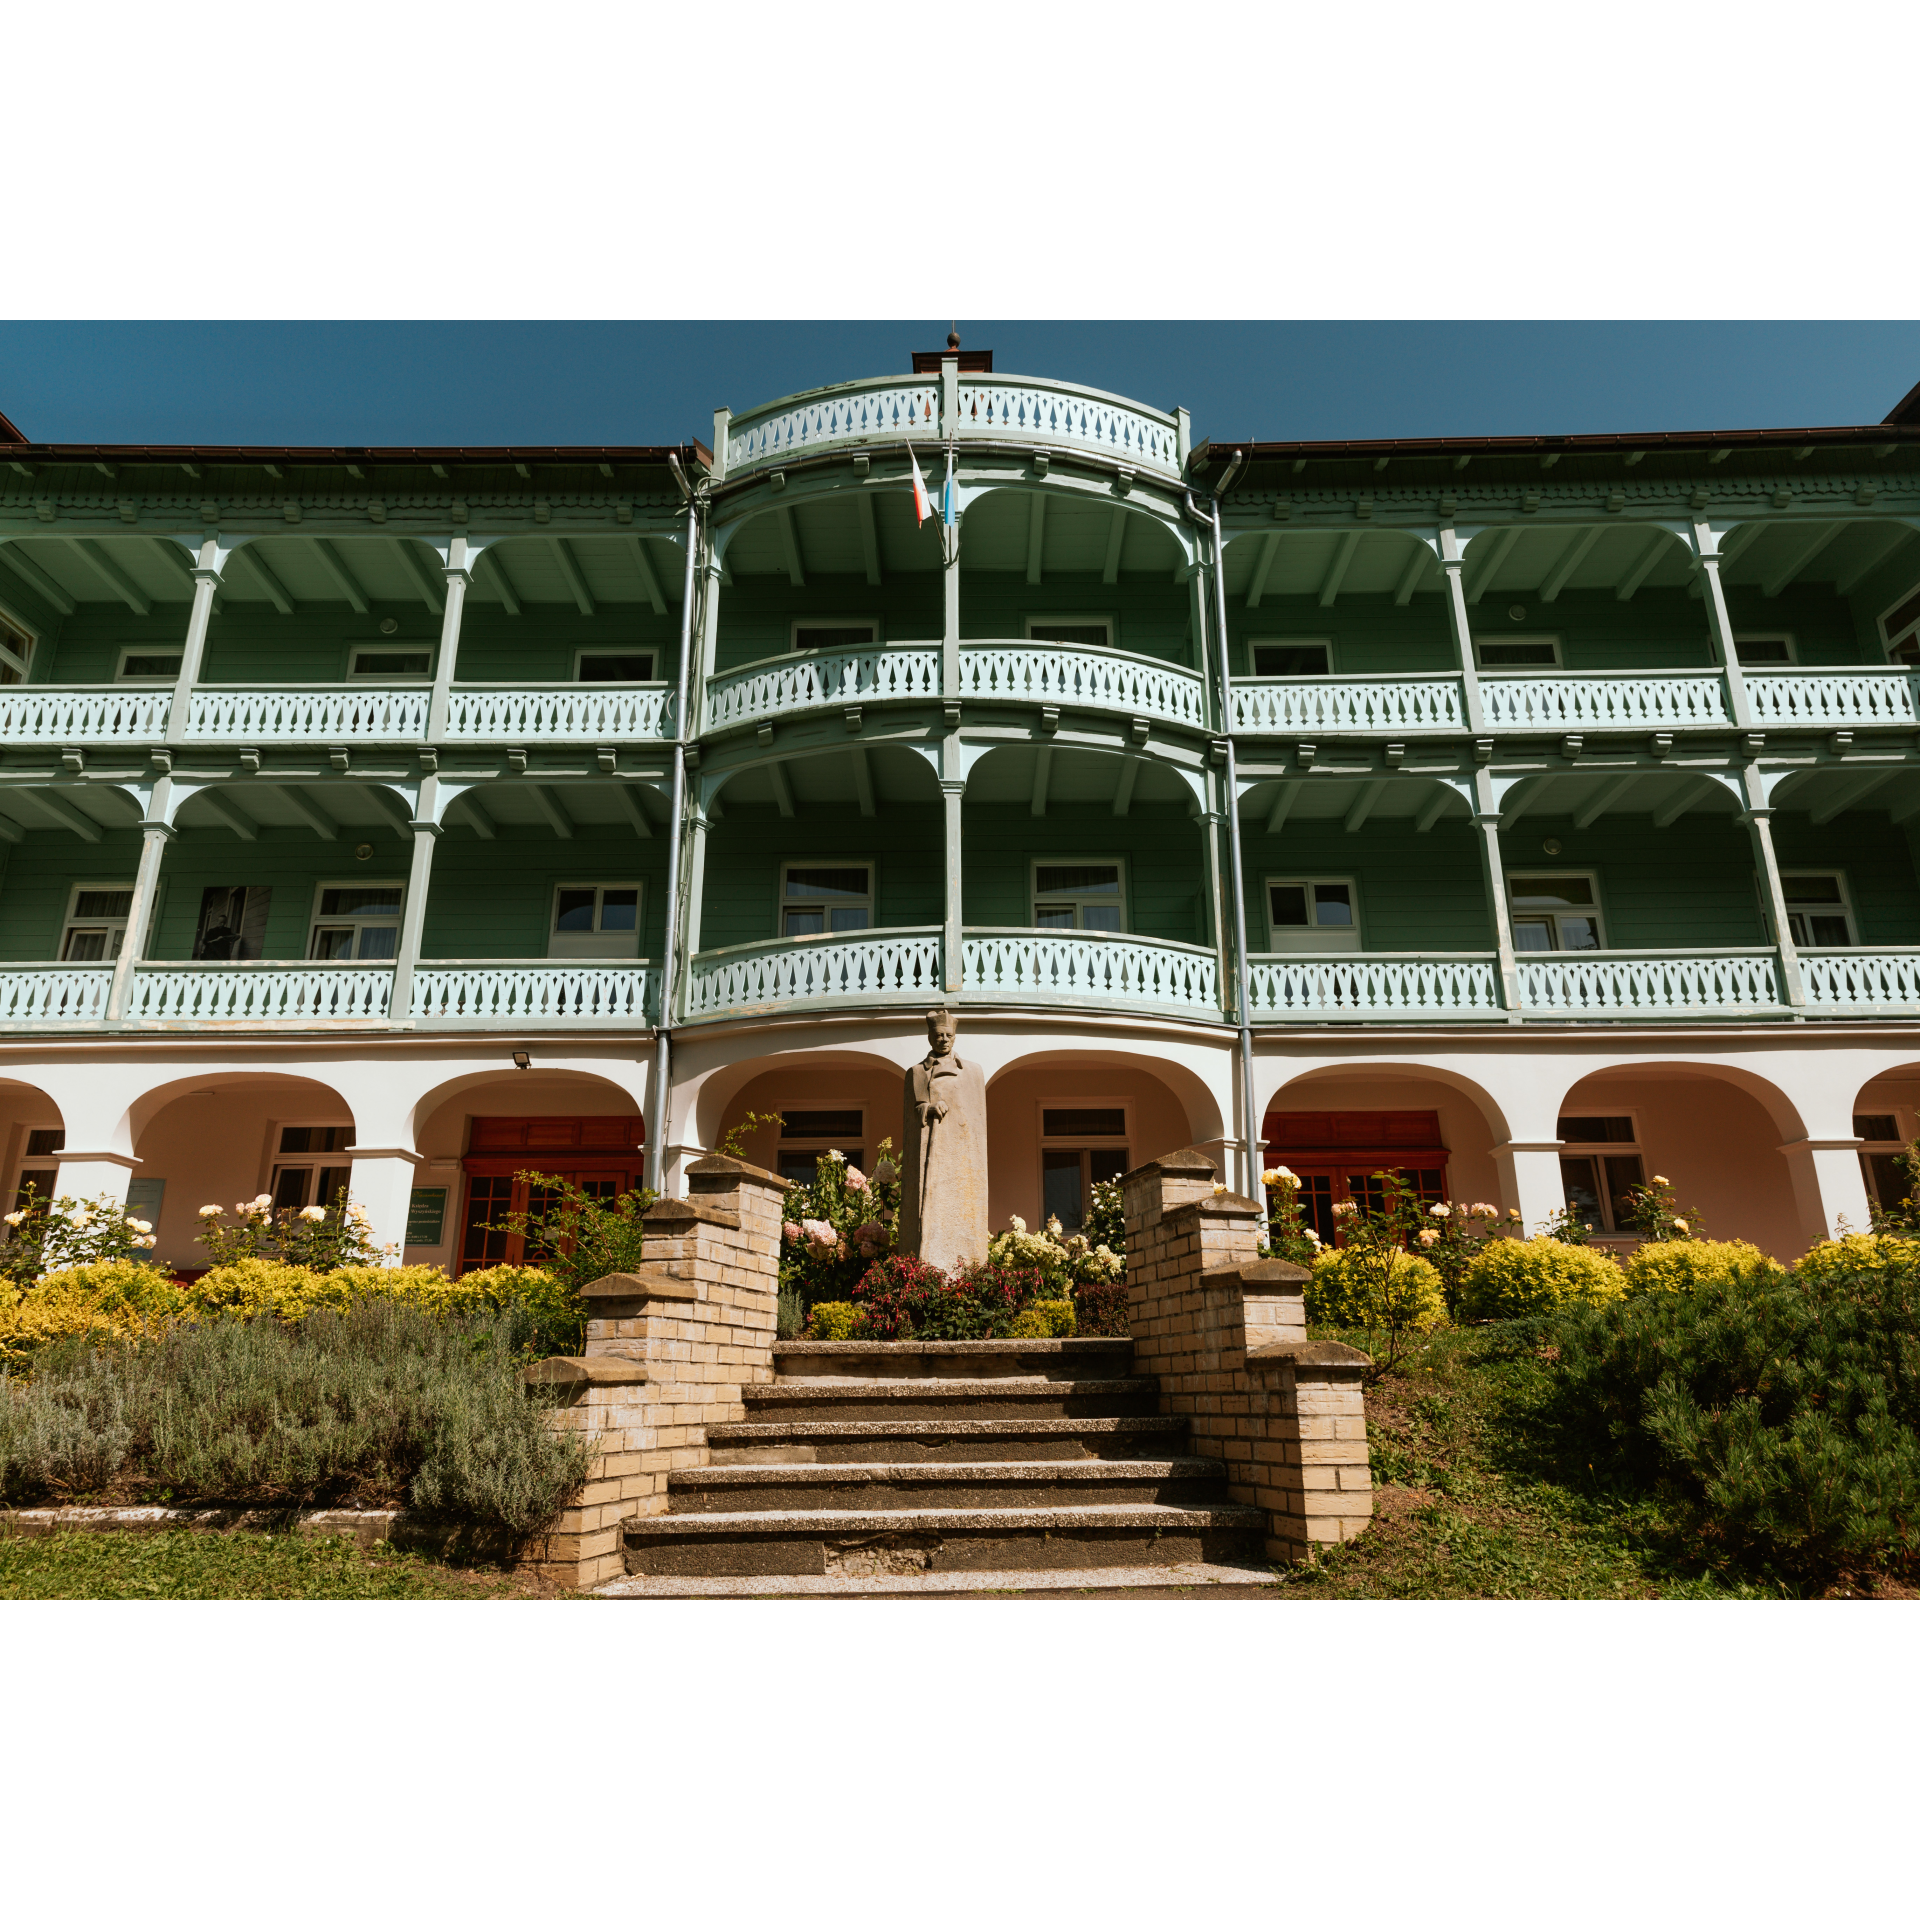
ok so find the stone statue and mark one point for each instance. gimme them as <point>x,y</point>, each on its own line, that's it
<point>943,1161</point>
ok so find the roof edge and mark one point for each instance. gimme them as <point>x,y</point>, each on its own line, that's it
<point>1252,450</point>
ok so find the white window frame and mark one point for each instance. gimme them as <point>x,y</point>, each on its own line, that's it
<point>581,654</point>
<point>599,889</point>
<point>1255,641</point>
<point>1892,637</point>
<point>121,678</point>
<point>115,925</point>
<point>1606,1149</point>
<point>781,903</point>
<point>794,629</point>
<point>1589,874</point>
<point>1481,641</point>
<point>1792,646</point>
<point>1079,902</point>
<point>1080,1143</point>
<point>1839,876</point>
<point>428,647</point>
<point>273,1159</point>
<point>1106,621</point>
<point>1312,938</point>
<point>17,642</point>
<point>316,920</point>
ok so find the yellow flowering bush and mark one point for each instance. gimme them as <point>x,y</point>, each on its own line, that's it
<point>1893,1254</point>
<point>1340,1292</point>
<point>1044,1320</point>
<point>836,1320</point>
<point>106,1300</point>
<point>1514,1279</point>
<point>1686,1266</point>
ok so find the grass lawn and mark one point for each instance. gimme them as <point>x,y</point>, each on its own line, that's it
<point>202,1564</point>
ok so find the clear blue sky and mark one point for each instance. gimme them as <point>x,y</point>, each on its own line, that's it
<point>647,382</point>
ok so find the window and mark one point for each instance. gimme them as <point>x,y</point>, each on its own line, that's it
<point>1536,650</point>
<point>1596,1184</point>
<point>595,922</point>
<point>355,923</point>
<point>1289,659</point>
<point>38,1168</point>
<point>1900,628</point>
<point>807,1133</point>
<point>1763,649</point>
<point>1079,1146</point>
<point>825,900</point>
<point>16,652</point>
<point>1088,895</point>
<point>597,664</point>
<point>1818,914</point>
<point>1313,915</point>
<point>148,663</point>
<point>310,1168</point>
<point>1071,629</point>
<point>1339,1156</point>
<point>96,923</point>
<point>390,663</point>
<point>1555,912</point>
<point>1889,1186</point>
<point>809,634</point>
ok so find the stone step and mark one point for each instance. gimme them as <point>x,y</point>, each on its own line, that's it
<point>950,1359</point>
<point>940,1540</point>
<point>1008,1397</point>
<point>889,1486</point>
<point>1190,1580</point>
<point>804,1442</point>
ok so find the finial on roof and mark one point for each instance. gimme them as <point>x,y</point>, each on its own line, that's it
<point>953,340</point>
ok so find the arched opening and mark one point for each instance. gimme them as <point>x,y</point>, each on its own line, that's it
<point>32,1132</point>
<point>1886,1119</point>
<point>847,1101</point>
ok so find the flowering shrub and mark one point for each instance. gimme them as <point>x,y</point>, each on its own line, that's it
<point>105,1301</point>
<point>1288,1235</point>
<point>1044,1320</point>
<point>1514,1279</point>
<point>836,1320</point>
<point>906,1299</point>
<point>1454,1238</point>
<point>577,1236</point>
<point>836,1225</point>
<point>320,1238</point>
<point>51,1235</point>
<point>1346,1289</point>
<point>1654,1214</point>
<point>893,1294</point>
<point>1685,1266</point>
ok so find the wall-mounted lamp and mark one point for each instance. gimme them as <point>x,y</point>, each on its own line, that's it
<point>522,1059</point>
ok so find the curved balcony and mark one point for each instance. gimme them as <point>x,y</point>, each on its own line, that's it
<point>814,683</point>
<point>1111,970</point>
<point>1004,407</point>
<point>895,966</point>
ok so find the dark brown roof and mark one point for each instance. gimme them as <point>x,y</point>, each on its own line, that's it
<point>20,448</point>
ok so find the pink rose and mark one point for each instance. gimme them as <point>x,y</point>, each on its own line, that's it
<point>791,1231</point>
<point>856,1180</point>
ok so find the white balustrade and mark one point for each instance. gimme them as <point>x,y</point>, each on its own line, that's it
<point>858,410</point>
<point>812,682</point>
<point>194,990</point>
<point>1081,676</point>
<point>1112,969</point>
<point>1005,406</point>
<point>519,993</point>
<point>1387,986</point>
<point>1833,696</point>
<point>29,715</point>
<point>1651,984</point>
<point>559,713</point>
<point>1554,700</point>
<point>318,714</point>
<point>1846,980</point>
<point>1407,703</point>
<point>898,965</point>
<point>40,995</point>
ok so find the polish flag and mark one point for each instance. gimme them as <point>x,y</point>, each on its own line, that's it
<point>922,506</point>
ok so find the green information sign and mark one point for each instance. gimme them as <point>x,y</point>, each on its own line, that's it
<point>427,1217</point>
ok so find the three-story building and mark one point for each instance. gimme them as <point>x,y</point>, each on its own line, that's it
<point>1535,815</point>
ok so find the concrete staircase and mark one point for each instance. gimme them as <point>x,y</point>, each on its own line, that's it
<point>870,1468</point>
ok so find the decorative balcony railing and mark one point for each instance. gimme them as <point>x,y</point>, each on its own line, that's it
<point>320,715</point>
<point>194,991</point>
<point>1548,702</point>
<point>498,993</point>
<point>1106,969</point>
<point>1405,703</point>
<point>898,966</point>
<point>1082,677</point>
<point>1833,696</point>
<point>560,713</point>
<point>85,716</point>
<point>991,407</point>
<point>1651,984</point>
<point>1847,980</point>
<point>41,995</point>
<point>816,682</point>
<point>1377,986</point>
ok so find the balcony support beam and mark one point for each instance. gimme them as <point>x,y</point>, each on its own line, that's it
<point>863,781</point>
<point>782,788</point>
<point>1603,801</point>
<point>229,815</point>
<point>571,574</point>
<point>1453,571</point>
<point>155,832</point>
<point>1123,792</point>
<point>649,577</point>
<point>38,578</point>
<point>111,571</point>
<point>1337,570</point>
<point>478,817</point>
<point>1290,791</point>
<point>1413,573</point>
<point>869,540</point>
<point>1042,769</point>
<point>337,571</point>
<point>953,794</point>
<point>499,581</point>
<point>1116,539</point>
<point>323,824</point>
<point>1877,555</point>
<point>1691,793</point>
<point>1782,577</point>
<point>550,808</point>
<point>1720,623</point>
<point>1368,799</point>
<point>270,582</point>
<point>790,540</point>
<point>1431,812</point>
<point>1850,794</point>
<point>61,811</point>
<point>629,799</point>
<point>1757,817</point>
<point>1489,821</point>
<point>1568,564</point>
<point>426,833</point>
<point>1269,551</point>
<point>1638,573</point>
<point>420,570</point>
<point>1502,546</point>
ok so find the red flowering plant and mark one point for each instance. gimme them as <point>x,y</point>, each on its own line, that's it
<point>905,1299</point>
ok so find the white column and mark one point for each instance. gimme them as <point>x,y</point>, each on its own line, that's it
<point>413,910</point>
<point>206,581</point>
<point>1212,826</point>
<point>154,835</point>
<point>950,631</point>
<point>1486,822</point>
<point>1706,543</point>
<point>459,572</point>
<point>90,1173</point>
<point>382,1182</point>
<point>696,883</point>
<point>1831,1189</point>
<point>1759,825</point>
<point>953,794</point>
<point>1530,1181</point>
<point>1453,565</point>
<point>709,643</point>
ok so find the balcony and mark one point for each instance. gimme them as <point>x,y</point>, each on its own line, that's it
<point>992,407</point>
<point>1038,673</point>
<point>197,994</point>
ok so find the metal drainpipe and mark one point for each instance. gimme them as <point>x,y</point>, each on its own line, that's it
<point>663,1027</point>
<point>1243,983</point>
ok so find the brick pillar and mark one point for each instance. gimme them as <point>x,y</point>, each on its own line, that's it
<point>1225,1334</point>
<point>669,1348</point>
